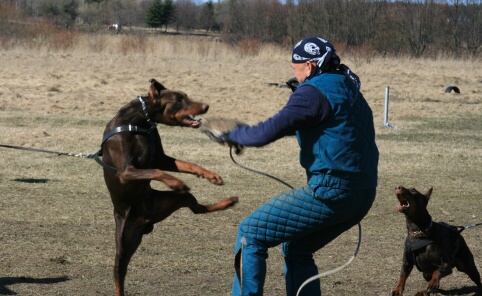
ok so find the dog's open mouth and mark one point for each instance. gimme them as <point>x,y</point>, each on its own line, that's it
<point>403,204</point>
<point>190,121</point>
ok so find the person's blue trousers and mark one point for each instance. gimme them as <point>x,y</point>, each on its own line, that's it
<point>302,220</point>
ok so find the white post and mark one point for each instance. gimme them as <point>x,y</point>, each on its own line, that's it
<point>387,94</point>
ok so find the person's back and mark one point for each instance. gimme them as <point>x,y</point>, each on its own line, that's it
<point>341,151</point>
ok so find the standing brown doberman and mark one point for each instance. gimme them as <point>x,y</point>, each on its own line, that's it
<point>132,156</point>
<point>434,248</point>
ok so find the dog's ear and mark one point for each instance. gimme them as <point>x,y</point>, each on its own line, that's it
<point>428,194</point>
<point>156,84</point>
<point>155,88</point>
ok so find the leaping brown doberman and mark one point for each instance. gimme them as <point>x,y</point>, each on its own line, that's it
<point>132,157</point>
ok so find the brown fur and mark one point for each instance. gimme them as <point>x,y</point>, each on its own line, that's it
<point>139,158</point>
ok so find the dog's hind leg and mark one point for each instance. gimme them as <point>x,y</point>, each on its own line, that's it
<point>164,203</point>
<point>466,264</point>
<point>474,275</point>
<point>433,285</point>
<point>223,204</point>
<point>128,237</point>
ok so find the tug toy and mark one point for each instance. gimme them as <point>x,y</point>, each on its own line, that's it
<point>217,129</point>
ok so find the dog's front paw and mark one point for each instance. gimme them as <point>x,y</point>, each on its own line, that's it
<point>230,201</point>
<point>397,293</point>
<point>433,286</point>
<point>212,177</point>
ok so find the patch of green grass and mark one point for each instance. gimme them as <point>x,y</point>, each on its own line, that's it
<point>460,130</point>
<point>469,122</point>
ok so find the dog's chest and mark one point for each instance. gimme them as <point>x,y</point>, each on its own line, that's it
<point>148,150</point>
<point>425,250</point>
<point>416,244</point>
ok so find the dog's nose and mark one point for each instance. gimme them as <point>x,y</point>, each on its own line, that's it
<point>399,189</point>
<point>205,108</point>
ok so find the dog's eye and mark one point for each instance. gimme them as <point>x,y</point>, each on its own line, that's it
<point>177,105</point>
<point>178,99</point>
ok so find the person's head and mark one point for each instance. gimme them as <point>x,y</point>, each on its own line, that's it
<point>312,56</point>
<point>303,70</point>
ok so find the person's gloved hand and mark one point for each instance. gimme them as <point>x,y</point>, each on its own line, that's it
<point>223,139</point>
<point>227,142</point>
<point>218,130</point>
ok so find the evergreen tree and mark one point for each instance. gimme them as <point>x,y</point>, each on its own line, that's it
<point>206,18</point>
<point>167,13</point>
<point>154,18</point>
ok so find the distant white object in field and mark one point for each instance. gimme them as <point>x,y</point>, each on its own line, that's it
<point>385,119</point>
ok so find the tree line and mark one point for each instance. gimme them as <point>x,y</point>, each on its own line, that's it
<point>405,27</point>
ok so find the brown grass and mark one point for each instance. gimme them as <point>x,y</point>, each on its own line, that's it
<point>56,216</point>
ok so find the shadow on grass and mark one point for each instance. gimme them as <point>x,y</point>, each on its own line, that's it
<point>31,180</point>
<point>9,281</point>
<point>473,291</point>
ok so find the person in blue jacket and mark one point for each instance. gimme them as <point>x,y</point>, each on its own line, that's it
<point>334,127</point>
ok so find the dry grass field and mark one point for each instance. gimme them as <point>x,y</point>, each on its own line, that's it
<point>56,217</point>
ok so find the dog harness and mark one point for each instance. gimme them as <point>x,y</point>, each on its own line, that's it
<point>121,129</point>
<point>419,239</point>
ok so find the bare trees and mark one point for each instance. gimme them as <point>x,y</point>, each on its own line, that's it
<point>413,27</point>
<point>473,27</point>
<point>463,26</point>
<point>207,19</point>
<point>186,15</point>
<point>417,24</point>
<point>102,12</point>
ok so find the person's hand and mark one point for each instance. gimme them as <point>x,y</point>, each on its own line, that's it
<point>222,137</point>
<point>228,143</point>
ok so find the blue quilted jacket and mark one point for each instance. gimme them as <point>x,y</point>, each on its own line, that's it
<point>334,127</point>
<point>341,151</point>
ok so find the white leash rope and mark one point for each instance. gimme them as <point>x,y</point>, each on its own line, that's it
<point>318,276</point>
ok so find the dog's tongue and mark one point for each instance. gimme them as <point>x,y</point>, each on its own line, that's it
<point>402,206</point>
<point>189,121</point>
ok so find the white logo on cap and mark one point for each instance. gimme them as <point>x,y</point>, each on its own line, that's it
<point>297,57</point>
<point>312,48</point>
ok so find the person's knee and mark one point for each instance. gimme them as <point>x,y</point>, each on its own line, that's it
<point>291,252</point>
<point>246,239</point>
<point>249,235</point>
